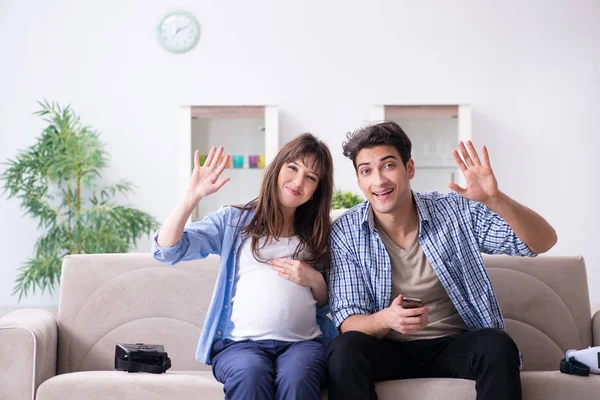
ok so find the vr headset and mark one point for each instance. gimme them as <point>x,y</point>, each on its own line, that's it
<point>140,357</point>
<point>581,362</point>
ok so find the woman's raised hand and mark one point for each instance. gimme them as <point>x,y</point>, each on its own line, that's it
<point>205,179</point>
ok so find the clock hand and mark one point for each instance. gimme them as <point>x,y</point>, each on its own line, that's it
<point>181,28</point>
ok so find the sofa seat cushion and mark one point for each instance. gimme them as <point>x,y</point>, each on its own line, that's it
<point>426,389</point>
<point>184,385</point>
<point>548,385</point>
<point>556,385</point>
<point>102,385</point>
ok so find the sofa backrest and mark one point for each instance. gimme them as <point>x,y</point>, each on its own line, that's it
<point>107,299</point>
<point>127,298</point>
<point>546,305</point>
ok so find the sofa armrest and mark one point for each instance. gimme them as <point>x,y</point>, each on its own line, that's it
<point>596,329</point>
<point>28,348</point>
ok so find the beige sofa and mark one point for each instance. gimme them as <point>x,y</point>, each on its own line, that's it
<point>105,299</point>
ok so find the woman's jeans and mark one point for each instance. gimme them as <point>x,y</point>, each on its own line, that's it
<point>270,369</point>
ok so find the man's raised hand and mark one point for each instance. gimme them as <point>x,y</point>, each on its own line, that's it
<point>481,182</point>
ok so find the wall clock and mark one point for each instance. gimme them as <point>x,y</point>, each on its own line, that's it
<point>178,31</point>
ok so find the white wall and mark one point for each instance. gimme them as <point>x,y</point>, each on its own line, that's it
<point>530,70</point>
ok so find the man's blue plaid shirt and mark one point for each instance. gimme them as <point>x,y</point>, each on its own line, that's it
<point>453,233</point>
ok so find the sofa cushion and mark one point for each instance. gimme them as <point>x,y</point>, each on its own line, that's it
<point>545,304</point>
<point>184,385</point>
<point>426,389</point>
<point>128,298</point>
<point>193,385</point>
<point>549,385</point>
<point>102,385</point>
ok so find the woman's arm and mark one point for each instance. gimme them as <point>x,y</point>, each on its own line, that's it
<point>172,229</point>
<point>319,289</point>
<point>203,182</point>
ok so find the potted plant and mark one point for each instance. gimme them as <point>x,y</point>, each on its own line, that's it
<point>342,201</point>
<point>55,181</point>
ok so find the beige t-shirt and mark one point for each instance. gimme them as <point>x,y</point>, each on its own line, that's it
<point>413,276</point>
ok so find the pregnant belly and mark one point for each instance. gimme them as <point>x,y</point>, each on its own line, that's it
<point>266,304</point>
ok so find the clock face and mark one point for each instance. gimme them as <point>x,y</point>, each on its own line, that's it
<point>178,31</point>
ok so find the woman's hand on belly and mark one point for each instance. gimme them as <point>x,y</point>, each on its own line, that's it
<point>295,271</point>
<point>303,274</point>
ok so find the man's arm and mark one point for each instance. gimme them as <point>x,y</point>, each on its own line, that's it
<point>529,226</point>
<point>482,187</point>
<point>379,324</point>
<point>373,325</point>
<point>348,291</point>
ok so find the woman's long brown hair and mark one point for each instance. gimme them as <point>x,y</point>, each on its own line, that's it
<point>311,221</point>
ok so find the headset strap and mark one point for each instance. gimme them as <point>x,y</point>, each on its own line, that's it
<point>574,367</point>
<point>131,366</point>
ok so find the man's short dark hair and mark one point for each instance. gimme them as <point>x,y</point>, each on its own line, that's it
<point>386,133</point>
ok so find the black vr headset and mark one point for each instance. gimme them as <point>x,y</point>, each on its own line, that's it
<point>141,357</point>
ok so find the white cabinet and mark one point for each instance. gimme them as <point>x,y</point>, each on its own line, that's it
<point>434,131</point>
<point>249,134</point>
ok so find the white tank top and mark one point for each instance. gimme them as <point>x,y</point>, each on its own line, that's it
<point>267,306</point>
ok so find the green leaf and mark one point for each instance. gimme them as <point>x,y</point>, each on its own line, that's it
<point>345,200</point>
<point>55,181</point>
<point>40,272</point>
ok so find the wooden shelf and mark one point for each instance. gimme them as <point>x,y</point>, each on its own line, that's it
<point>394,111</point>
<point>228,111</point>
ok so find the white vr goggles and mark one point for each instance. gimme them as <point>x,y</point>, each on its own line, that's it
<point>581,362</point>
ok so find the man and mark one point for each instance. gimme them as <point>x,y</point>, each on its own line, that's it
<point>428,246</point>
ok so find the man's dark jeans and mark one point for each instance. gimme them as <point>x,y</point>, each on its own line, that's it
<point>488,356</point>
